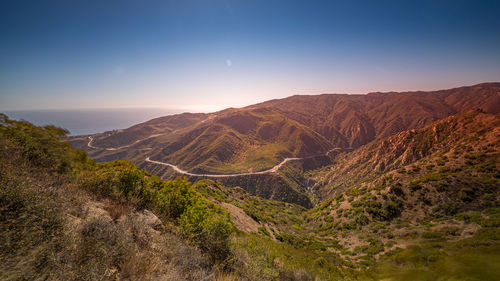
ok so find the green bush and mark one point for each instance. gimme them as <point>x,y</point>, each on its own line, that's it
<point>432,235</point>
<point>175,197</point>
<point>386,211</point>
<point>450,209</point>
<point>466,194</point>
<point>264,231</point>
<point>209,227</point>
<point>290,239</point>
<point>321,262</point>
<point>39,145</point>
<point>362,220</point>
<point>469,217</point>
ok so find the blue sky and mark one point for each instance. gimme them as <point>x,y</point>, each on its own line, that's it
<point>203,55</point>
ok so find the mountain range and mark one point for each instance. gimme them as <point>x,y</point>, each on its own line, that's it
<point>257,137</point>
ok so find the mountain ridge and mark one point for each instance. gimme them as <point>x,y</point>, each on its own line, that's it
<point>257,137</point>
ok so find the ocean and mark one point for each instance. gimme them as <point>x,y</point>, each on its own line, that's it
<point>90,121</point>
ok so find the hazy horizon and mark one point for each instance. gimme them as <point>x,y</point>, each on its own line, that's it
<point>207,108</point>
<point>90,121</point>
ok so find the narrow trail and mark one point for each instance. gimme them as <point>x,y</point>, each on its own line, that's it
<point>180,171</point>
<point>91,139</point>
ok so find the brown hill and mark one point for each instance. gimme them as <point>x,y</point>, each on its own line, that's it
<point>456,144</point>
<point>362,118</point>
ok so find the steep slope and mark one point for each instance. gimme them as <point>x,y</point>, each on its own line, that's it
<point>467,130</point>
<point>241,141</point>
<point>155,127</point>
<point>362,118</point>
<point>401,198</point>
<point>65,218</point>
<point>449,167</point>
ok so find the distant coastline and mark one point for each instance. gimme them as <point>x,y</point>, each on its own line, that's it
<point>90,121</point>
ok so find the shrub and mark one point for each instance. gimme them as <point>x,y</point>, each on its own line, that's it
<point>264,231</point>
<point>466,194</point>
<point>101,246</point>
<point>387,211</point>
<point>349,225</point>
<point>450,230</point>
<point>468,217</point>
<point>492,221</point>
<point>450,209</point>
<point>397,190</point>
<point>209,227</point>
<point>290,239</point>
<point>175,197</point>
<point>362,220</point>
<point>440,186</point>
<point>39,145</point>
<point>414,186</point>
<point>321,262</point>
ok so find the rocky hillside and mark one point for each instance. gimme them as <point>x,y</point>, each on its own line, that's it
<point>453,137</point>
<point>421,184</point>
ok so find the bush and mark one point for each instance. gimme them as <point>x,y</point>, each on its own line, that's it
<point>397,190</point>
<point>321,262</point>
<point>102,246</point>
<point>414,186</point>
<point>39,145</point>
<point>466,194</point>
<point>387,211</point>
<point>175,197</point>
<point>264,231</point>
<point>469,217</point>
<point>373,248</point>
<point>450,209</point>
<point>290,239</point>
<point>362,220</point>
<point>209,227</point>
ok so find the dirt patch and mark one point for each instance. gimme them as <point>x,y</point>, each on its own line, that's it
<point>241,220</point>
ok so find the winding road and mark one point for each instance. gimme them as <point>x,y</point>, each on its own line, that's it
<point>180,171</point>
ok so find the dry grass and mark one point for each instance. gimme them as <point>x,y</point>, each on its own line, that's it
<point>116,209</point>
<point>226,277</point>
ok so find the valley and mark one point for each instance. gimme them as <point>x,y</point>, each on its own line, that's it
<point>274,169</point>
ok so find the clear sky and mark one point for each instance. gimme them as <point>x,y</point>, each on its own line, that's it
<point>203,55</point>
